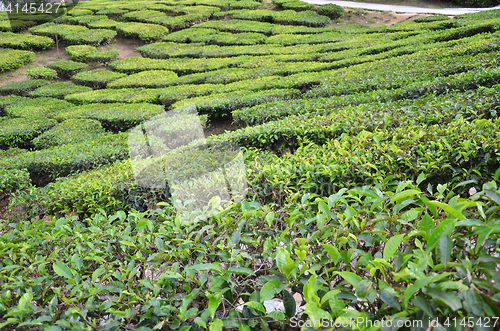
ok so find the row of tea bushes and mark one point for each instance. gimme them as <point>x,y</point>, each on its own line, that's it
<point>11,59</point>
<point>90,54</point>
<point>24,41</point>
<point>370,114</point>
<point>446,154</point>
<point>115,117</point>
<point>214,37</point>
<point>18,132</point>
<point>42,107</point>
<point>275,110</point>
<point>14,25</point>
<point>41,73</point>
<point>67,68</point>
<point>23,87</point>
<point>59,161</point>
<point>286,17</point>
<point>97,78</point>
<point>58,90</point>
<point>69,132</point>
<point>148,78</point>
<point>75,34</point>
<point>143,31</point>
<point>165,50</point>
<point>224,103</point>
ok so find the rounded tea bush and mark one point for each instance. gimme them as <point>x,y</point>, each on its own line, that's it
<point>330,10</point>
<point>41,73</point>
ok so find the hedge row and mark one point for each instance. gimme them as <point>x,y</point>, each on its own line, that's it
<point>165,50</point>
<point>214,37</point>
<point>67,68</point>
<point>235,25</point>
<point>86,53</point>
<point>68,132</point>
<point>286,17</point>
<point>14,25</point>
<point>447,154</point>
<point>18,132</point>
<point>97,78</point>
<point>36,108</point>
<point>24,41</point>
<point>222,104</point>
<point>11,59</point>
<point>49,164</point>
<point>41,73</point>
<point>22,88</point>
<point>144,31</point>
<point>149,78</point>
<point>58,90</point>
<point>115,117</point>
<point>75,34</point>
<point>106,23</point>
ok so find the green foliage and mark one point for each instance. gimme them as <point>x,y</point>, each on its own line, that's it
<point>36,108</point>
<point>15,25</point>
<point>307,18</point>
<point>432,18</point>
<point>331,10</point>
<point>68,132</point>
<point>75,34</point>
<point>58,90</point>
<point>24,41</point>
<point>143,31</point>
<point>125,95</point>
<point>59,161</point>
<point>22,88</point>
<point>67,68</point>
<point>41,73</point>
<point>97,78</point>
<point>115,117</point>
<point>18,132</point>
<point>11,59</point>
<point>296,5</point>
<point>80,53</point>
<point>148,78</point>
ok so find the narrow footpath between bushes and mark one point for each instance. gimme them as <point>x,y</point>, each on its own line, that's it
<point>400,9</point>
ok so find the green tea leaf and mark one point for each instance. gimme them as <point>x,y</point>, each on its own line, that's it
<point>392,245</point>
<point>444,229</point>
<point>62,270</point>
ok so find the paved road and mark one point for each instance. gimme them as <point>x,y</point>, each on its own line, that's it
<point>401,9</point>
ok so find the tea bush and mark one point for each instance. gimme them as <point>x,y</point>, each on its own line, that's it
<point>115,117</point>
<point>58,90</point>
<point>59,161</point>
<point>36,108</point>
<point>68,132</point>
<point>17,132</point>
<point>67,68</point>
<point>80,53</point>
<point>330,10</point>
<point>151,79</point>
<point>143,31</point>
<point>11,59</point>
<point>22,88</point>
<point>97,78</point>
<point>24,41</point>
<point>41,73</point>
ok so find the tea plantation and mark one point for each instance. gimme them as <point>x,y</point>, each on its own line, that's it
<point>372,158</point>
